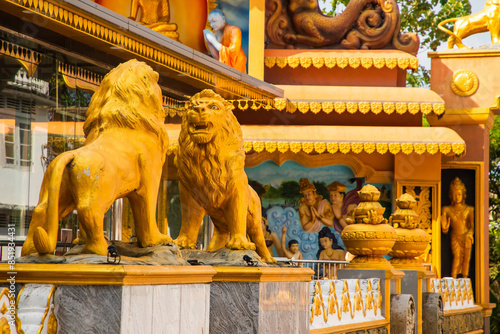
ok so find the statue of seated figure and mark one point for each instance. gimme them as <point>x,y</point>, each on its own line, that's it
<point>155,15</point>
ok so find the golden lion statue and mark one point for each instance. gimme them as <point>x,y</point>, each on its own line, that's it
<point>488,19</point>
<point>122,156</point>
<point>210,164</point>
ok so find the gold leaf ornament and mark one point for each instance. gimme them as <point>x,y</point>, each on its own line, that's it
<point>283,147</point>
<point>319,147</point>
<point>295,147</point>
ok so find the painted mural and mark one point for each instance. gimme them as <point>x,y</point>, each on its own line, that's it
<point>300,202</point>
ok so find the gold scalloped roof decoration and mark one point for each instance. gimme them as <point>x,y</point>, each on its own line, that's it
<point>363,107</point>
<point>175,107</point>
<point>344,139</point>
<point>403,63</point>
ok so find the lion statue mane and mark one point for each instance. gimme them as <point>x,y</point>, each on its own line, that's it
<point>210,163</point>
<point>123,156</point>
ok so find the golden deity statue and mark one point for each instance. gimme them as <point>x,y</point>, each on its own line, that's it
<point>488,19</point>
<point>155,15</point>
<point>460,218</point>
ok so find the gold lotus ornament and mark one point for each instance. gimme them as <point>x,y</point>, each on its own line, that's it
<point>368,236</point>
<point>411,241</point>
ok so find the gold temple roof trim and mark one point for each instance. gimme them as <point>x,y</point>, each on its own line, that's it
<point>28,58</point>
<point>363,99</point>
<point>118,31</point>
<point>340,58</point>
<point>75,77</point>
<point>344,139</point>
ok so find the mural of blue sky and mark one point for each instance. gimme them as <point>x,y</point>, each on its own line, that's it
<point>270,173</point>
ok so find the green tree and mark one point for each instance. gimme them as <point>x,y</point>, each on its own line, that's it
<point>290,191</point>
<point>421,17</point>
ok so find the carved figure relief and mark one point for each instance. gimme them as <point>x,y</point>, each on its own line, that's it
<point>488,19</point>
<point>123,155</point>
<point>365,24</point>
<point>210,164</point>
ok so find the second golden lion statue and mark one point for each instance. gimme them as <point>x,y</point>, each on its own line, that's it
<point>123,155</point>
<point>210,164</point>
<point>488,19</point>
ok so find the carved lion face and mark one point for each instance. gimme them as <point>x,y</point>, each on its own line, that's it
<point>203,119</point>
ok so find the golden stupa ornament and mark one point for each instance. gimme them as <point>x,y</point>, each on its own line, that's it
<point>368,236</point>
<point>464,83</point>
<point>411,241</point>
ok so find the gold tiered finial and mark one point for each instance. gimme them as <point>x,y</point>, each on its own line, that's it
<point>411,241</point>
<point>368,236</point>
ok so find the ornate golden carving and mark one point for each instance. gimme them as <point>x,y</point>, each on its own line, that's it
<point>327,107</point>
<point>318,62</point>
<point>72,173</point>
<point>382,148</point>
<point>345,147</point>
<point>339,107</point>
<point>488,19</point>
<point>369,147</point>
<point>319,147</point>
<point>297,23</point>
<point>352,107</point>
<point>364,107</point>
<point>283,147</point>
<point>210,165</point>
<point>271,146</point>
<point>464,83</point>
<point>376,107</point>
<point>332,147</point>
<point>305,62</point>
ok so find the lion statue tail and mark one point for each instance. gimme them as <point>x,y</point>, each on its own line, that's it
<point>442,28</point>
<point>45,241</point>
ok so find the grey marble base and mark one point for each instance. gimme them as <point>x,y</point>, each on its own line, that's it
<point>259,307</point>
<point>176,309</point>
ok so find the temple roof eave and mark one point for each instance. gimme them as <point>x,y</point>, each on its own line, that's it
<point>362,99</point>
<point>344,139</point>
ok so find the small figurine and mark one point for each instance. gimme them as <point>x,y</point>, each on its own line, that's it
<point>314,211</point>
<point>293,247</point>
<point>225,44</point>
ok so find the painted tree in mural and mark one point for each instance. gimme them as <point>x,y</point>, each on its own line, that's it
<point>421,17</point>
<point>290,191</point>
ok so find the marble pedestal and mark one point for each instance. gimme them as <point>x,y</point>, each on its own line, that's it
<point>70,298</point>
<point>415,283</point>
<point>260,300</point>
